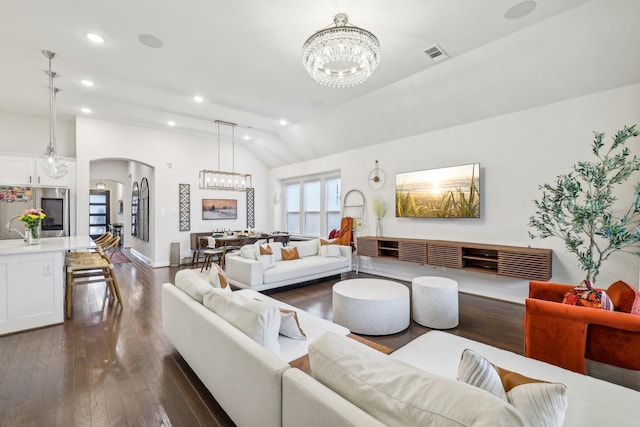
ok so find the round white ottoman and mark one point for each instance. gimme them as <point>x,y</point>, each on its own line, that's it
<point>435,302</point>
<point>371,306</point>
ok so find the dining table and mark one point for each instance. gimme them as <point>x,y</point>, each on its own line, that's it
<point>232,242</point>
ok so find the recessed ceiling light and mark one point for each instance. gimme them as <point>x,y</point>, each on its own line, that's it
<point>86,110</point>
<point>520,9</point>
<point>87,83</point>
<point>96,38</point>
<point>283,122</point>
<point>246,137</point>
<point>171,123</point>
<point>198,98</point>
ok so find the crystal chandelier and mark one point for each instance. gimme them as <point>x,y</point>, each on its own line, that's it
<point>101,187</point>
<point>220,180</point>
<point>50,162</point>
<point>341,55</point>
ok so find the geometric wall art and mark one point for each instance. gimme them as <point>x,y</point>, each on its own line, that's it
<point>251,218</point>
<point>185,206</point>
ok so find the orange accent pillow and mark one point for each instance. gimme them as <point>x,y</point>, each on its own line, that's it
<point>624,297</point>
<point>289,254</point>
<point>266,251</point>
<point>512,379</point>
<point>224,282</point>
<point>328,242</point>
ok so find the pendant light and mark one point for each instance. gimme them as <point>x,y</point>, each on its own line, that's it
<point>52,164</point>
<point>225,180</point>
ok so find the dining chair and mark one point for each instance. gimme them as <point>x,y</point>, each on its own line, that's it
<point>212,251</point>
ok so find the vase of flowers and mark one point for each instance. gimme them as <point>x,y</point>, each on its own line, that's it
<point>380,209</point>
<point>32,218</point>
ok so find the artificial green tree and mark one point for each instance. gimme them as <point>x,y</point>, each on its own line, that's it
<point>580,207</point>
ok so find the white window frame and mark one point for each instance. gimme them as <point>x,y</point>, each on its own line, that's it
<point>322,177</point>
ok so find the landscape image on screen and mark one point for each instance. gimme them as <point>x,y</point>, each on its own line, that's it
<point>219,209</point>
<point>452,192</point>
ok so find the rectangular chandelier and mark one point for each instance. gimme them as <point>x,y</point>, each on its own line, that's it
<point>218,180</point>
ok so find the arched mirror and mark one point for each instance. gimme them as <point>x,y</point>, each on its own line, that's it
<point>135,195</point>
<point>143,211</point>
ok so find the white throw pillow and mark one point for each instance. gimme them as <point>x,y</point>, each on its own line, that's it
<point>257,319</point>
<point>307,247</point>
<point>541,403</point>
<point>267,261</point>
<point>192,284</point>
<point>276,250</point>
<point>248,251</point>
<point>218,278</point>
<point>290,325</point>
<point>402,395</point>
<point>330,251</point>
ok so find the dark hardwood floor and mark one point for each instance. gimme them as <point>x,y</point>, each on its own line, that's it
<point>109,366</point>
<point>494,322</point>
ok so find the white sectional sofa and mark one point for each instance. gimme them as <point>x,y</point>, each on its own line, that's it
<point>244,377</point>
<point>591,402</point>
<point>258,387</point>
<point>245,271</point>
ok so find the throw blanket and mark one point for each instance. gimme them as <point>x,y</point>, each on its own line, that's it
<point>345,236</point>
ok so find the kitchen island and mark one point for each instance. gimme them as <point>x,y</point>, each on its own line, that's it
<point>32,281</point>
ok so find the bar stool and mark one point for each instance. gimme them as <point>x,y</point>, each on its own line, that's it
<point>112,245</point>
<point>88,267</point>
<point>103,238</point>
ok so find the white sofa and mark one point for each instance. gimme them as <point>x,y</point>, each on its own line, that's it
<point>591,402</point>
<point>244,377</point>
<point>249,272</point>
<point>257,387</point>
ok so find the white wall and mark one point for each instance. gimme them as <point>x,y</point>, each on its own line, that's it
<point>517,153</point>
<point>172,159</point>
<point>30,134</point>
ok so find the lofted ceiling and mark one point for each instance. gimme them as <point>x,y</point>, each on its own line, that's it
<point>244,59</point>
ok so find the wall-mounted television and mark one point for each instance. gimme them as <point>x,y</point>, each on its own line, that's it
<point>451,192</point>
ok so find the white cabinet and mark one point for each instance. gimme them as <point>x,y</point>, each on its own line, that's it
<point>16,170</point>
<point>32,286</point>
<point>42,178</point>
<point>27,170</point>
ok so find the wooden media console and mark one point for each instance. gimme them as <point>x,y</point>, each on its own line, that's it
<point>513,261</point>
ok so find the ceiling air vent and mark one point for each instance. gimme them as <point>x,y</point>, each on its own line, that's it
<point>436,53</point>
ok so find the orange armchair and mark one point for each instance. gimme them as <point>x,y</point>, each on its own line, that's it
<point>564,335</point>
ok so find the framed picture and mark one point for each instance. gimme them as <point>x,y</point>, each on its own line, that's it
<point>219,209</point>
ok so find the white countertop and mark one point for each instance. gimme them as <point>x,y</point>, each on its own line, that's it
<point>47,244</point>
